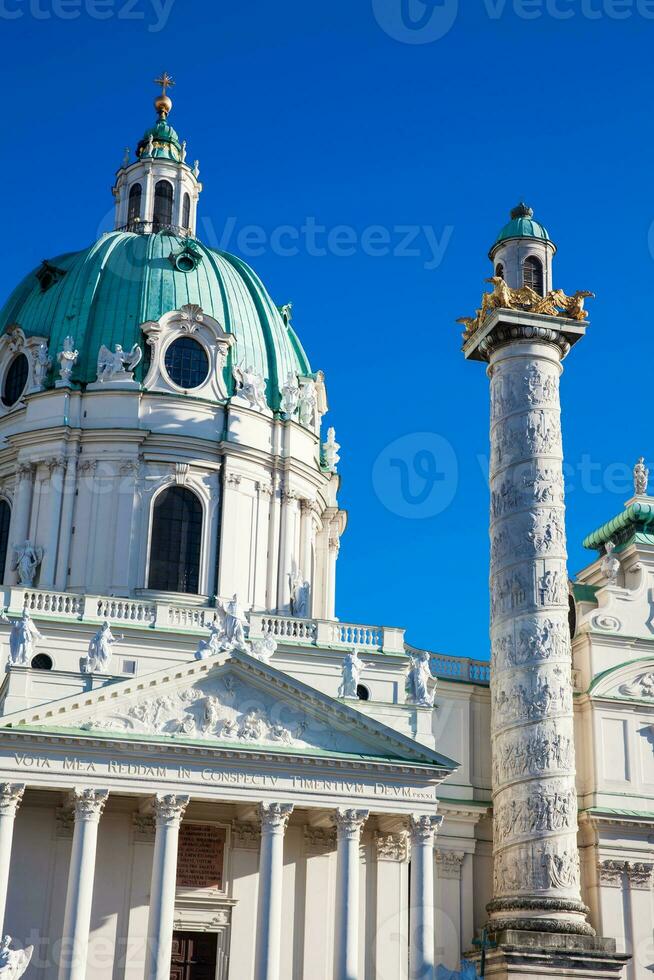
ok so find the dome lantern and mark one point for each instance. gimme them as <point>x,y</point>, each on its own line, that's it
<point>523,251</point>
<point>159,191</point>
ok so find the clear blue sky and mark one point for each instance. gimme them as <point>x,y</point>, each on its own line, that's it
<point>330,113</point>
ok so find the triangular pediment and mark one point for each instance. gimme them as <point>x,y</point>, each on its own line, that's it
<point>231,699</point>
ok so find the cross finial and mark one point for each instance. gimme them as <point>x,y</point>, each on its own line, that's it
<point>165,81</point>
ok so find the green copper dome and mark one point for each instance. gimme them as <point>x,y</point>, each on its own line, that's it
<point>103,294</point>
<point>522,225</point>
<point>160,142</point>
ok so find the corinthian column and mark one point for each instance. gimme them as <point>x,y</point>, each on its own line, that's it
<point>536,862</point>
<point>168,811</point>
<point>421,926</point>
<point>11,795</point>
<point>20,515</point>
<point>348,833</point>
<point>274,818</point>
<point>88,805</point>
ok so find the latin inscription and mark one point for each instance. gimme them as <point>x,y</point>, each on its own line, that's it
<point>219,776</point>
<point>200,856</point>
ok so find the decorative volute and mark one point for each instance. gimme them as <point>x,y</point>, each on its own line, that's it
<point>160,191</point>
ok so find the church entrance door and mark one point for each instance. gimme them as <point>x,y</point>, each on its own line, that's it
<point>194,956</point>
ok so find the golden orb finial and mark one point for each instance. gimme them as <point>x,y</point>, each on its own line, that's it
<point>163,103</point>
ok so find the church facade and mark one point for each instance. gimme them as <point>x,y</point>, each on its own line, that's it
<point>206,774</point>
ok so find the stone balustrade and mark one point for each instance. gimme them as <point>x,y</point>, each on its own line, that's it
<point>160,614</point>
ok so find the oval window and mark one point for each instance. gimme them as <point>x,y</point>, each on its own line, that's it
<point>187,363</point>
<point>15,380</point>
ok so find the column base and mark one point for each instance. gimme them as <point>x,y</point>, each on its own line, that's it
<point>524,955</point>
<point>558,915</point>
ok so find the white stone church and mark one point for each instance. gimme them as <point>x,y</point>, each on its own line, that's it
<point>205,773</point>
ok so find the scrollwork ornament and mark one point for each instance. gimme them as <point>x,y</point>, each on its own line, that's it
<point>392,847</point>
<point>639,874</point>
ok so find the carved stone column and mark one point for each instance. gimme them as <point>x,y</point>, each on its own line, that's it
<point>421,919</point>
<point>168,812</point>
<point>286,556</point>
<point>274,819</point>
<point>391,851</point>
<point>348,833</point>
<point>20,515</point>
<point>67,511</point>
<point>334,548</point>
<point>11,795</point>
<point>88,805</point>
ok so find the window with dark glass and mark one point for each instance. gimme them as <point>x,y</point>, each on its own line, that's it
<point>163,205</point>
<point>134,203</point>
<point>5,518</point>
<point>499,270</point>
<point>186,211</point>
<point>176,541</point>
<point>42,662</point>
<point>15,380</point>
<point>532,274</point>
<point>186,362</point>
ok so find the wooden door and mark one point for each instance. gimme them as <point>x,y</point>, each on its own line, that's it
<point>194,956</point>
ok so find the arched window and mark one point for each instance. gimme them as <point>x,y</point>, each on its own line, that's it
<point>163,205</point>
<point>134,204</point>
<point>186,211</point>
<point>532,274</point>
<point>363,693</point>
<point>5,518</point>
<point>499,270</point>
<point>175,542</point>
<point>42,661</point>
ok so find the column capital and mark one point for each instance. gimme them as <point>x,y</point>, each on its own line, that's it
<point>25,470</point>
<point>169,808</point>
<point>274,817</point>
<point>349,821</point>
<point>424,827</point>
<point>88,804</point>
<point>11,795</point>
<point>449,863</point>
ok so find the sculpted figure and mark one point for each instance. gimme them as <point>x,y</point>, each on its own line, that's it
<point>641,477</point>
<point>251,386</point>
<point>420,686</point>
<point>210,646</point>
<point>67,358</point>
<point>13,962</point>
<point>308,404</point>
<point>41,365</point>
<point>610,564</point>
<point>234,623</point>
<point>352,668</point>
<point>117,365</point>
<point>27,558</point>
<point>300,595</point>
<point>22,639</point>
<point>290,395</point>
<point>98,658</point>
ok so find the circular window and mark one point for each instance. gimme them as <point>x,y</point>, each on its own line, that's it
<point>15,380</point>
<point>187,363</point>
<point>363,693</point>
<point>42,662</point>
